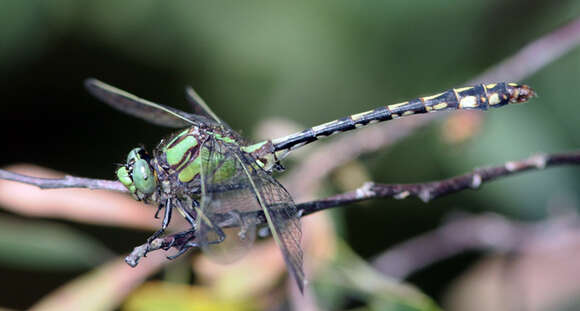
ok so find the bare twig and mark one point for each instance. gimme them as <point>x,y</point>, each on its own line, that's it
<point>65,182</point>
<point>430,190</point>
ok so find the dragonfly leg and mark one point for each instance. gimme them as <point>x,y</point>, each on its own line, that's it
<point>183,247</point>
<point>187,213</point>
<point>212,225</point>
<point>243,225</point>
<point>164,223</point>
<point>179,239</point>
<point>221,235</point>
<point>159,208</point>
<point>189,218</point>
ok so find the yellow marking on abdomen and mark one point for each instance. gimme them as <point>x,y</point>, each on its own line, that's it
<point>440,106</point>
<point>358,116</point>
<point>494,99</point>
<point>395,106</point>
<point>456,95</point>
<point>323,126</point>
<point>463,89</point>
<point>491,85</point>
<point>432,96</point>
<point>287,137</point>
<point>468,102</point>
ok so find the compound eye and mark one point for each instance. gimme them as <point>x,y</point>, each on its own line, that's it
<point>143,177</point>
<point>134,155</point>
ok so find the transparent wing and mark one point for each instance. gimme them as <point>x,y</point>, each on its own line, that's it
<point>282,216</point>
<point>141,108</point>
<point>225,193</point>
<point>199,106</point>
<point>234,181</point>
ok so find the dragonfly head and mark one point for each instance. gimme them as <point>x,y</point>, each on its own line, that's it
<point>138,175</point>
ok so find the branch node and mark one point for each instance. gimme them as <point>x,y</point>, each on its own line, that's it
<point>425,195</point>
<point>511,166</point>
<point>475,181</point>
<point>539,161</point>
<point>365,191</point>
<point>402,195</point>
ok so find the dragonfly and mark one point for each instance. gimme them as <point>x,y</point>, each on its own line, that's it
<point>207,172</point>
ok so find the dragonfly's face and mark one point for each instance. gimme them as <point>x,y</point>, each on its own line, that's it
<point>137,175</point>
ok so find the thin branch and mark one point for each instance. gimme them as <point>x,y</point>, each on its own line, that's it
<point>425,191</point>
<point>64,182</point>
<point>431,190</point>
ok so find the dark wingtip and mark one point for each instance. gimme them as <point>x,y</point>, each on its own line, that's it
<point>89,82</point>
<point>91,85</point>
<point>299,278</point>
<point>301,284</point>
<point>190,95</point>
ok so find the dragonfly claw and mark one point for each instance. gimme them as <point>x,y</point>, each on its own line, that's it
<point>183,249</point>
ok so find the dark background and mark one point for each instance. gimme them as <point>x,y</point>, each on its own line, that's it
<point>309,63</point>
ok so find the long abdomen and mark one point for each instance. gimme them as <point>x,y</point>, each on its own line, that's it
<point>479,97</point>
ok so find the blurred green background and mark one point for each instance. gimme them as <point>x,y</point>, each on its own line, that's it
<point>309,62</point>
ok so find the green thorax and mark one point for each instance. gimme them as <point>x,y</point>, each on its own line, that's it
<point>181,155</point>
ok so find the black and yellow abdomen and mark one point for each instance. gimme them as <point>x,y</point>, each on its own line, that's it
<point>479,97</point>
